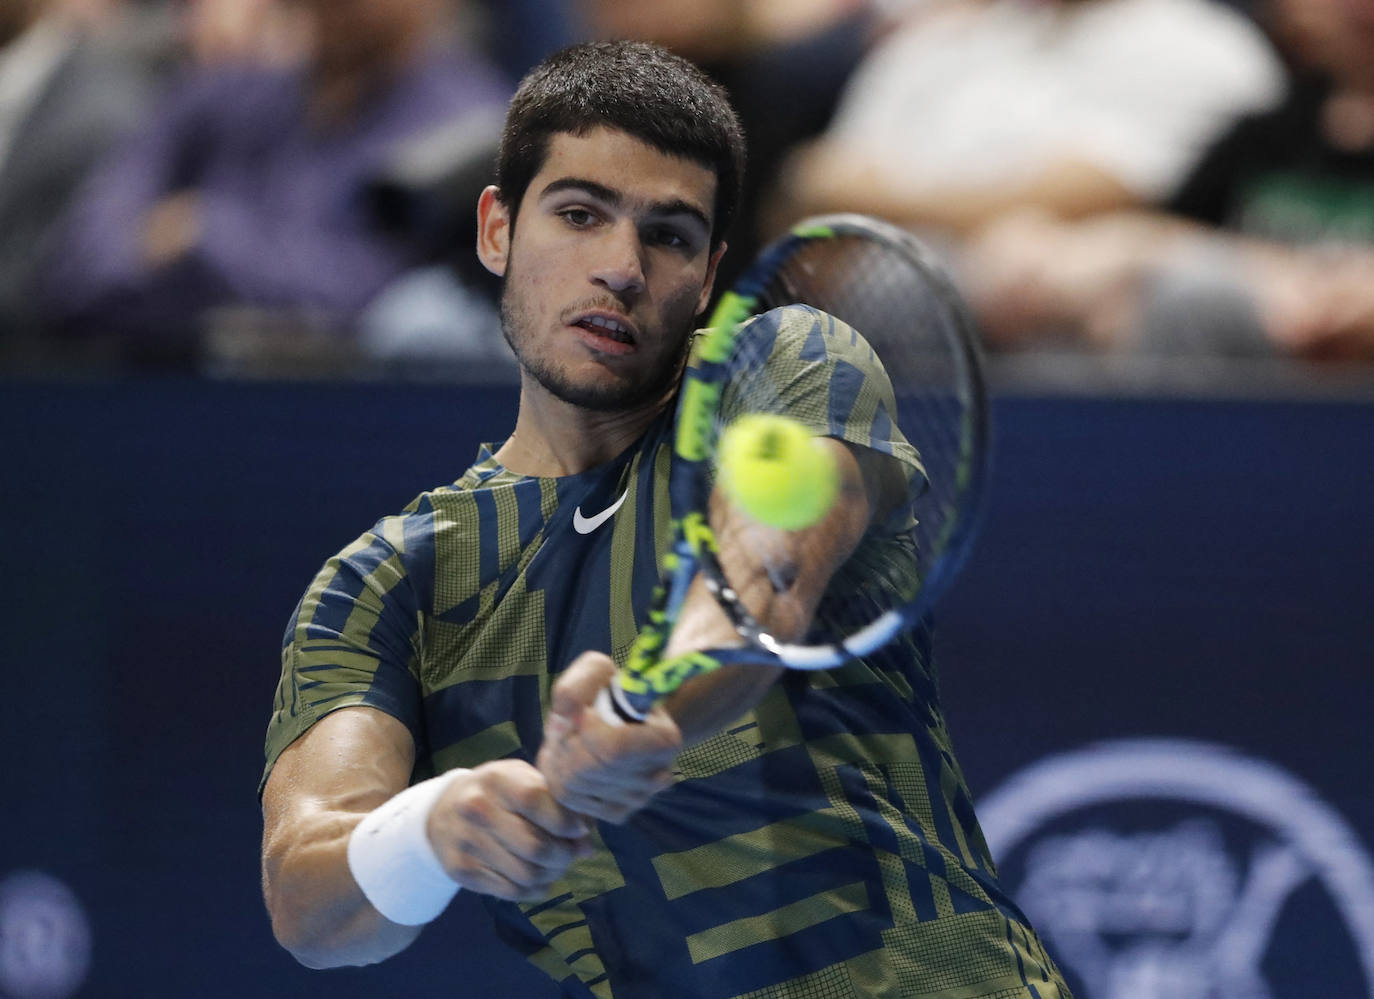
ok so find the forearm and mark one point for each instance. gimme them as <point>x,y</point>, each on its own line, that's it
<point>831,177</point>
<point>1067,190</point>
<point>318,912</point>
<point>322,786</point>
<point>780,577</point>
<point>355,862</point>
<point>706,704</point>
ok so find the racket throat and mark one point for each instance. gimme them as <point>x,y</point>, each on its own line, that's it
<point>615,707</point>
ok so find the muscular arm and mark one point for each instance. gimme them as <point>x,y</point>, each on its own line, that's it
<point>321,787</point>
<point>495,829</point>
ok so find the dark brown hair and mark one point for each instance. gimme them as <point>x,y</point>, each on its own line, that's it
<point>637,88</point>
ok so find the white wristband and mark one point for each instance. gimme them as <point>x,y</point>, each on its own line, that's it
<point>392,860</point>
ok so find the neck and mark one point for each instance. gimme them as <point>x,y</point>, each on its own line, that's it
<point>553,438</point>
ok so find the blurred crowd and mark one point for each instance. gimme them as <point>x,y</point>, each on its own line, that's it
<point>286,187</point>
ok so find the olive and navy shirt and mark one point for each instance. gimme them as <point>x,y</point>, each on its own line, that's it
<point>823,845</point>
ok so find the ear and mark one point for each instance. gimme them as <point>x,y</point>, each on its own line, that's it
<point>493,231</point>
<point>709,284</point>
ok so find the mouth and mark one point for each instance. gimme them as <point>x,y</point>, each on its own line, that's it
<point>604,326</point>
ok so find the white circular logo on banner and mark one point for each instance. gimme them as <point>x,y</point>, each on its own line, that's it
<point>1173,869</point>
<point>45,938</point>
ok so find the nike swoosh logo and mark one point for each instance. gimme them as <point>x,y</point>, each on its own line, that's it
<point>585,525</point>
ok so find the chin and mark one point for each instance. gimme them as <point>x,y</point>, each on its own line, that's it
<point>603,392</point>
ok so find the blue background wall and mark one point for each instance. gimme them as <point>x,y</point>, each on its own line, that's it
<point>1184,568</point>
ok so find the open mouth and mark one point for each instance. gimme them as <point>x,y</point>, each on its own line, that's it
<point>612,329</point>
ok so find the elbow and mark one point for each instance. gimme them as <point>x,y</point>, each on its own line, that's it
<point>299,936</point>
<point>297,923</point>
<point>294,939</point>
<point>319,959</point>
<point>308,957</point>
<point>300,916</point>
<point>297,932</point>
<point>332,936</point>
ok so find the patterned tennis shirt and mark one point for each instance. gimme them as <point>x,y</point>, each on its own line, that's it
<point>824,845</point>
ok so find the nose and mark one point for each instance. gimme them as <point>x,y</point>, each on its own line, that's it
<point>618,264</point>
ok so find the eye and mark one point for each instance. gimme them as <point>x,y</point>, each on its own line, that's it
<point>578,218</point>
<point>667,236</point>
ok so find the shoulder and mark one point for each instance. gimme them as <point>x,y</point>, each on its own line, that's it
<point>392,565</point>
<point>487,506</point>
<point>803,335</point>
<point>435,511</point>
<point>406,539</point>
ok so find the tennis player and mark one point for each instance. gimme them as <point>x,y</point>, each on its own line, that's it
<point>807,834</point>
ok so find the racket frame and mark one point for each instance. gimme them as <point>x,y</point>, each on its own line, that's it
<point>647,676</point>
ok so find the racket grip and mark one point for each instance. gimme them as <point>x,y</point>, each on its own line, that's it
<point>610,704</point>
<point>659,678</point>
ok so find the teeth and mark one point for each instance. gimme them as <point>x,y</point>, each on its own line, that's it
<point>610,325</point>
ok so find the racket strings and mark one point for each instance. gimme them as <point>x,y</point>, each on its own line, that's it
<point>914,323</point>
<point>925,396</point>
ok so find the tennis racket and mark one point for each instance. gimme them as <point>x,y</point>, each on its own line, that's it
<point>888,288</point>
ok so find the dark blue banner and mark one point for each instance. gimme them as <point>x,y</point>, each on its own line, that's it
<point>1157,669</point>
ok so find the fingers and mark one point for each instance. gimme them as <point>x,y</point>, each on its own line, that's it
<point>616,801</point>
<point>499,831</point>
<point>577,687</point>
<point>603,771</point>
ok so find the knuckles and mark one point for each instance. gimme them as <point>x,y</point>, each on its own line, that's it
<point>476,810</point>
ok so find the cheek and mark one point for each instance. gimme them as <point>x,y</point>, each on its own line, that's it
<point>529,263</point>
<point>683,305</point>
<point>525,297</point>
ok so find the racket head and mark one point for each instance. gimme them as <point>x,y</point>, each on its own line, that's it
<point>895,302</point>
<point>894,291</point>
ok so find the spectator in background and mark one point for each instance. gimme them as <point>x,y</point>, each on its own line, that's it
<point>972,108</point>
<point>520,33</point>
<point>67,92</point>
<point>1268,247</point>
<point>244,192</point>
<point>226,32</point>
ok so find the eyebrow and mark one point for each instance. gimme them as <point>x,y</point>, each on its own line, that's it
<point>612,197</point>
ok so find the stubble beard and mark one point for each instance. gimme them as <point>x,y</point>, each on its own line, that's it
<point>604,396</point>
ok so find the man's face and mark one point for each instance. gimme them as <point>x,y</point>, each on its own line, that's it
<point>607,270</point>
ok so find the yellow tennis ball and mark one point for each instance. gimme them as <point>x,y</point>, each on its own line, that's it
<point>774,470</point>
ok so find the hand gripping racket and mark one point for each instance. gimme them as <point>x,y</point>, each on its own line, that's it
<point>889,289</point>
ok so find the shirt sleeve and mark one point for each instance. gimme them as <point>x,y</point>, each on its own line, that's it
<point>814,368</point>
<point>806,364</point>
<point>353,640</point>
